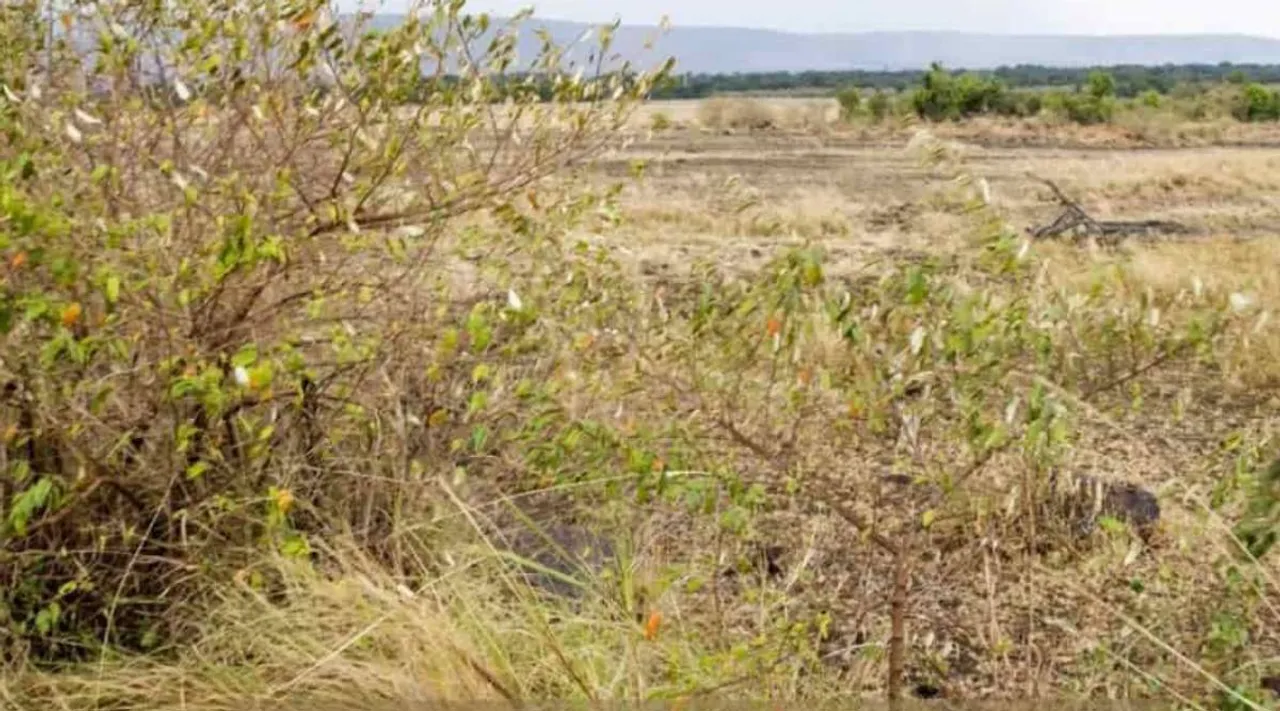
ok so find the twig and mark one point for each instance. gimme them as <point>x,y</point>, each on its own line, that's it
<point>1074,216</point>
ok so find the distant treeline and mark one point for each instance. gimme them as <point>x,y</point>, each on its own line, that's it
<point>1131,80</point>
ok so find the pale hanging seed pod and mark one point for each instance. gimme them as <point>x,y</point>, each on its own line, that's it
<point>86,119</point>
<point>181,89</point>
<point>1011,411</point>
<point>917,340</point>
<point>1240,302</point>
<point>74,133</point>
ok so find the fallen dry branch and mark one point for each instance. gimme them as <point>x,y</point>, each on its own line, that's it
<point>1075,221</point>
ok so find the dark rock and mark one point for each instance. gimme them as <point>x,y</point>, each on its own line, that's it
<point>1085,498</point>
<point>569,551</point>
<point>926,690</point>
<point>764,559</point>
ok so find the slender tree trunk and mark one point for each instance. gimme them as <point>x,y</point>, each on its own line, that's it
<point>898,622</point>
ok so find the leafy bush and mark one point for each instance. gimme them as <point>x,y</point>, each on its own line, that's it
<point>879,105</point>
<point>1084,109</point>
<point>1257,103</point>
<point>850,100</point>
<point>239,325</point>
<point>1101,85</point>
<point>946,97</point>
<point>216,304</point>
<point>1089,110</point>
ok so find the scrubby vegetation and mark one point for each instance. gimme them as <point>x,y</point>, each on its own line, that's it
<point>1131,81</point>
<point>278,358</point>
<point>1095,97</point>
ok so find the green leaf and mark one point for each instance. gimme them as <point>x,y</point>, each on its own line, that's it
<point>113,289</point>
<point>479,436</point>
<point>30,502</point>
<point>245,357</point>
<point>1111,524</point>
<point>295,546</point>
<point>47,618</point>
<point>197,470</point>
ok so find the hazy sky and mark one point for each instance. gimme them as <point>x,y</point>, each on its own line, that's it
<point>1258,17</point>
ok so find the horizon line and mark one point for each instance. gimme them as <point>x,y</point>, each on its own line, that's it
<point>819,33</point>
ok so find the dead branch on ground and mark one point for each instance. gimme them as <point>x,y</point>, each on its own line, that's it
<point>1075,221</point>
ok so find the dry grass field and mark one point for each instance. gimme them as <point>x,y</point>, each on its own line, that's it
<point>810,383</point>
<point>737,197</point>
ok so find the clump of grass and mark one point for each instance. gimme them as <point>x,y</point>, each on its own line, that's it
<point>736,114</point>
<point>349,633</point>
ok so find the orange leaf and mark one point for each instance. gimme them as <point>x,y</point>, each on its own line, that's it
<point>774,325</point>
<point>18,260</point>
<point>652,624</point>
<point>284,500</point>
<point>806,376</point>
<point>305,20</point>
<point>71,314</point>
<point>659,465</point>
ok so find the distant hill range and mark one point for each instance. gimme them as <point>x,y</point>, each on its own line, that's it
<point>728,50</point>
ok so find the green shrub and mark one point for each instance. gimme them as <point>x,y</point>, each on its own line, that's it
<point>1090,110</point>
<point>946,97</point>
<point>1257,103</point>
<point>217,304</point>
<point>880,105</point>
<point>850,100</point>
<point>1101,85</point>
<point>1023,104</point>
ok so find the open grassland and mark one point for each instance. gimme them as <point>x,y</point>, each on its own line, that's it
<point>812,415</point>
<point>1134,127</point>
<point>736,199</point>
